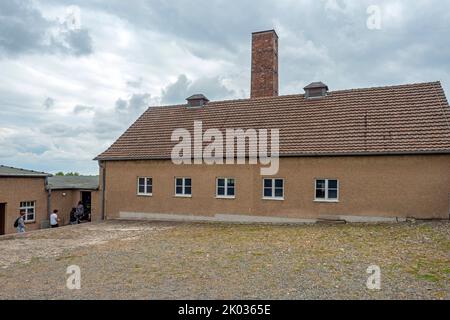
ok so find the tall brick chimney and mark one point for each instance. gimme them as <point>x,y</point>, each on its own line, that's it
<point>264,64</point>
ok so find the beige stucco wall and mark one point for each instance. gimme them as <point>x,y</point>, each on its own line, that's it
<point>95,204</point>
<point>65,200</point>
<point>16,190</point>
<point>382,186</point>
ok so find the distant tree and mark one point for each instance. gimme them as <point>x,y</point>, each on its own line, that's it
<point>72,174</point>
<point>68,174</point>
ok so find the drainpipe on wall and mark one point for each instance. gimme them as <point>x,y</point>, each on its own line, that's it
<point>49,199</point>
<point>102,166</point>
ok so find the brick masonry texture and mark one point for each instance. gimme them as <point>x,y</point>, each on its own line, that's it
<point>264,64</point>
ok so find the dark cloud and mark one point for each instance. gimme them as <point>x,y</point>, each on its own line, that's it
<point>75,42</point>
<point>24,30</point>
<point>319,40</point>
<point>121,105</point>
<point>21,27</point>
<point>108,129</point>
<point>108,125</point>
<point>215,24</point>
<point>177,92</point>
<point>136,104</point>
<point>78,109</point>
<point>49,103</point>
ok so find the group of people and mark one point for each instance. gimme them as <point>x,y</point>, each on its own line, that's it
<point>77,215</point>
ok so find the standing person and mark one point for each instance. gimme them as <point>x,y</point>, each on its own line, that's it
<point>80,211</point>
<point>73,216</point>
<point>19,224</point>
<point>54,219</point>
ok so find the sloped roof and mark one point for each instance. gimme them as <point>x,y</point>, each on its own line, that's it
<point>17,172</point>
<point>73,182</point>
<point>400,119</point>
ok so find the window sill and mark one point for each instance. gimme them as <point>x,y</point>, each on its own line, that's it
<point>183,196</point>
<point>145,194</point>
<point>273,199</point>
<point>225,197</point>
<point>326,201</point>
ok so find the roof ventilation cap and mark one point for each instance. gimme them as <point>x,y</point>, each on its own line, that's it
<point>316,90</point>
<point>197,100</point>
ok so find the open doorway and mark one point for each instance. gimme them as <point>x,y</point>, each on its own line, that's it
<point>2,218</point>
<point>87,203</point>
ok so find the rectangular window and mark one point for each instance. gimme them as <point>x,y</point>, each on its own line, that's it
<point>183,187</point>
<point>30,212</point>
<point>273,189</point>
<point>145,186</point>
<point>327,190</point>
<point>225,188</point>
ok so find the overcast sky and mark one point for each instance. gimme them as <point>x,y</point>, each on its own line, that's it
<point>75,74</point>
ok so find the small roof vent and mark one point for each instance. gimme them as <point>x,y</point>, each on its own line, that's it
<point>197,100</point>
<point>316,90</point>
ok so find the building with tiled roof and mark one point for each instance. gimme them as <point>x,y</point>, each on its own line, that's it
<point>360,154</point>
<point>39,193</point>
<point>22,189</point>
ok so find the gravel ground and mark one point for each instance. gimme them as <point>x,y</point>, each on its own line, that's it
<point>145,260</point>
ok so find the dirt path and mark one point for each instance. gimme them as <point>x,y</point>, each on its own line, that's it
<point>52,243</point>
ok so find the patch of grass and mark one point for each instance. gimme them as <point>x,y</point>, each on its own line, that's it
<point>430,270</point>
<point>258,254</point>
<point>441,295</point>
<point>447,245</point>
<point>428,277</point>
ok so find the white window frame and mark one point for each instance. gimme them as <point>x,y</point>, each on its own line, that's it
<point>226,196</point>
<point>183,186</point>
<point>326,199</point>
<point>144,194</point>
<point>273,197</point>
<point>26,205</point>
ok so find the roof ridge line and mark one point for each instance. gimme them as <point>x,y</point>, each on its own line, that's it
<point>22,169</point>
<point>396,86</point>
<point>302,94</point>
<point>438,96</point>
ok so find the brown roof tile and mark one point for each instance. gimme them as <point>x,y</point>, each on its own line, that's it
<point>411,118</point>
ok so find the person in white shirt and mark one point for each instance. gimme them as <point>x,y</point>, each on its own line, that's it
<point>54,219</point>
